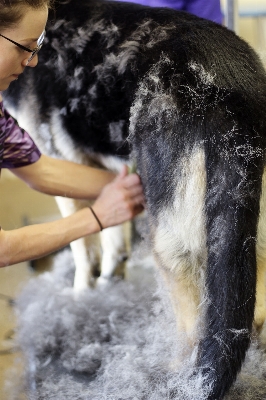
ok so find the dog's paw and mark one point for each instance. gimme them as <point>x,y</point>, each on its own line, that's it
<point>102,282</point>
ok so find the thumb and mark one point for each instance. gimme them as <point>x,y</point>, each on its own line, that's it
<point>123,173</point>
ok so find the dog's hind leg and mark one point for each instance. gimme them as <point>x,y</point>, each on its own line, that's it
<point>85,250</point>
<point>180,244</point>
<point>97,258</point>
<point>114,250</point>
<point>185,297</point>
<point>114,254</point>
<point>260,309</point>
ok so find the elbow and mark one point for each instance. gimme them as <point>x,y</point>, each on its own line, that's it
<point>36,184</point>
<point>4,259</point>
<point>5,249</point>
<point>3,264</point>
<point>33,185</point>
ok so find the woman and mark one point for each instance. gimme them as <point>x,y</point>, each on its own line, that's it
<point>22,23</point>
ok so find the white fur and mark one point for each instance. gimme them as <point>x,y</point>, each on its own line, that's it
<point>114,252</point>
<point>180,241</point>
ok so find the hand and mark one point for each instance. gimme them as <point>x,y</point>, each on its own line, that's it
<point>120,200</point>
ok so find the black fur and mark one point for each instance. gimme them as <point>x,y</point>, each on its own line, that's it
<point>168,82</point>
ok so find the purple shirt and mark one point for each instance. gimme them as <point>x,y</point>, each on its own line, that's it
<point>17,149</point>
<point>209,9</point>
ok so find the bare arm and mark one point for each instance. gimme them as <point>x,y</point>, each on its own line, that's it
<point>36,241</point>
<point>118,202</point>
<point>63,178</point>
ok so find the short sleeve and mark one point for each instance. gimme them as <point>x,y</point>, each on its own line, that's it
<point>17,149</point>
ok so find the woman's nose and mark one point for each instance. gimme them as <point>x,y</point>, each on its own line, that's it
<point>32,62</point>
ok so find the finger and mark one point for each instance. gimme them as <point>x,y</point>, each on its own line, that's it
<point>134,191</point>
<point>131,180</point>
<point>124,171</point>
<point>137,200</point>
<point>122,174</point>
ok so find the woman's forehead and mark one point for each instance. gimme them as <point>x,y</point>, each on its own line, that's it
<point>31,25</point>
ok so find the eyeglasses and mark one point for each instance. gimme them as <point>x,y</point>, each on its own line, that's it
<point>32,51</point>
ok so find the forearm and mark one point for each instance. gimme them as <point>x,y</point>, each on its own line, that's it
<point>64,178</point>
<point>36,241</point>
<point>118,202</point>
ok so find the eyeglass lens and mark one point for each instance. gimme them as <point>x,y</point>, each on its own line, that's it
<point>39,46</point>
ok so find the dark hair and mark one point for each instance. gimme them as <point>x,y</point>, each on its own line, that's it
<point>11,11</point>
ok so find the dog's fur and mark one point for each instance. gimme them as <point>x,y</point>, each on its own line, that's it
<point>187,99</point>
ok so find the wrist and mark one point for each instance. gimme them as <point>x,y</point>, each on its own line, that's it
<point>87,222</point>
<point>100,226</point>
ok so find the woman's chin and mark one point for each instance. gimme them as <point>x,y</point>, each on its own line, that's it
<point>4,83</point>
<point>4,86</point>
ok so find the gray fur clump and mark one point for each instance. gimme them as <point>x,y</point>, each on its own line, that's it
<point>117,343</point>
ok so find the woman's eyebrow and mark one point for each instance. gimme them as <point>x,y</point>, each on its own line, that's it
<point>29,40</point>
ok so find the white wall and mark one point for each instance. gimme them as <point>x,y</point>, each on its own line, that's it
<point>251,23</point>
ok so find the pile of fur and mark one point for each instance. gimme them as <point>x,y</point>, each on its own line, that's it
<point>114,344</point>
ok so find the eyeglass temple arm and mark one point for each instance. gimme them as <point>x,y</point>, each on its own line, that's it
<point>17,44</point>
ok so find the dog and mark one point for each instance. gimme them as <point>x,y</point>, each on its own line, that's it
<point>184,99</point>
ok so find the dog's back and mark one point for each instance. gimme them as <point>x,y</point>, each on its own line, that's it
<point>187,98</point>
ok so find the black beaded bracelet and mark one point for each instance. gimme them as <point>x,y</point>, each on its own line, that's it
<point>97,219</point>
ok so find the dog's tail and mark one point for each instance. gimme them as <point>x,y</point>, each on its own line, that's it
<point>234,172</point>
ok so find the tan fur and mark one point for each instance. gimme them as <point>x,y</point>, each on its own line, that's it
<point>260,309</point>
<point>180,244</point>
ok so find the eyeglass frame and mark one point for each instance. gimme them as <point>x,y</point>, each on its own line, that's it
<point>33,51</point>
